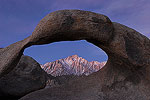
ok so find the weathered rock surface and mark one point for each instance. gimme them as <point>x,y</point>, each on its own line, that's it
<point>126,75</point>
<point>26,77</point>
<point>60,80</point>
<point>72,65</point>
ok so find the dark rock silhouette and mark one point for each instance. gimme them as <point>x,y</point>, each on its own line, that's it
<point>125,75</point>
<point>26,77</point>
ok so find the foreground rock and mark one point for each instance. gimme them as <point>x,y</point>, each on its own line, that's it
<point>126,75</point>
<point>72,65</point>
<point>60,80</point>
<point>26,77</point>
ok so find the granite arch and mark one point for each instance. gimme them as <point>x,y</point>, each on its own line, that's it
<point>128,51</point>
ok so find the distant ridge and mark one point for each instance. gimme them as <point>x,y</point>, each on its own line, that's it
<point>72,65</point>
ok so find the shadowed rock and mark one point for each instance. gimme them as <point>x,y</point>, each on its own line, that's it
<point>10,56</point>
<point>126,74</point>
<point>26,77</point>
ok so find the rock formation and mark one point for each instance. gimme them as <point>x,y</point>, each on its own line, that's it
<point>72,65</point>
<point>59,80</point>
<point>64,25</point>
<point>126,75</point>
<point>26,77</point>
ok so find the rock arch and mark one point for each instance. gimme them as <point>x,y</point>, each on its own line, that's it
<point>128,51</point>
<point>64,25</point>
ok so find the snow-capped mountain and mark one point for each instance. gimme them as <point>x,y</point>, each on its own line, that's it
<point>72,65</point>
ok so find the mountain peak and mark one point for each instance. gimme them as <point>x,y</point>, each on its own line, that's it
<point>74,56</point>
<point>72,65</point>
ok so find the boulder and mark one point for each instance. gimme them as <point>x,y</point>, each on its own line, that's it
<point>26,77</point>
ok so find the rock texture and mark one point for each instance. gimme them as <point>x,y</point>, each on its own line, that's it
<point>126,75</point>
<point>26,77</point>
<point>72,65</point>
<point>59,80</point>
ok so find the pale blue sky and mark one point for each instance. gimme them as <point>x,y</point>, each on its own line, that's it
<point>18,18</point>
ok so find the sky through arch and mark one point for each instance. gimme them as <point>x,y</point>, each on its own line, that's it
<point>59,50</point>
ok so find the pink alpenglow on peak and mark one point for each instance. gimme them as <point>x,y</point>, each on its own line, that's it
<point>72,65</point>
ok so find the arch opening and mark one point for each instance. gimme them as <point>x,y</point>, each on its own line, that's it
<point>87,57</point>
<point>58,50</point>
